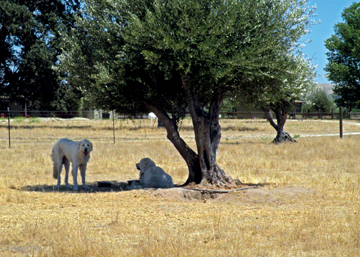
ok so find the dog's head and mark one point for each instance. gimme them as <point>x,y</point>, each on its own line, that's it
<point>85,147</point>
<point>144,164</point>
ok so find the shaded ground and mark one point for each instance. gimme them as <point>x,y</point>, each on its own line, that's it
<point>246,193</point>
<point>118,186</point>
<point>96,187</point>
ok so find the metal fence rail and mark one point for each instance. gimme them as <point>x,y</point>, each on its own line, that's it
<point>47,114</point>
<point>91,114</point>
<point>291,115</point>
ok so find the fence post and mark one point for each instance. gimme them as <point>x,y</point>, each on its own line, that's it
<point>8,109</point>
<point>341,122</point>
<point>114,125</point>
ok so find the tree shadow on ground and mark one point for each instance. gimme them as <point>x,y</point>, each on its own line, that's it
<point>119,186</point>
<point>95,187</point>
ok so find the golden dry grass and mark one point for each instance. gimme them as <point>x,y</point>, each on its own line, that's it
<point>310,207</point>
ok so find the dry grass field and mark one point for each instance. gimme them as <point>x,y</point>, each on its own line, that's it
<point>310,205</point>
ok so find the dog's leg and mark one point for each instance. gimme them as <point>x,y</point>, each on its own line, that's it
<point>59,167</point>
<point>67,168</point>
<point>74,173</point>
<point>82,172</point>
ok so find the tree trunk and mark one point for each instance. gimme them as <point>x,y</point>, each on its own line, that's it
<point>190,157</point>
<point>281,116</point>
<point>203,168</point>
<point>207,136</point>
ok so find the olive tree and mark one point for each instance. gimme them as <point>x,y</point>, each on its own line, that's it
<point>170,57</point>
<point>279,93</point>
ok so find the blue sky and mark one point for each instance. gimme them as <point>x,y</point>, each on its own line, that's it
<point>329,13</point>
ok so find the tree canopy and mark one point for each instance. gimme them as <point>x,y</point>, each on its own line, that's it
<point>30,39</point>
<point>343,66</point>
<point>221,44</point>
<point>172,56</point>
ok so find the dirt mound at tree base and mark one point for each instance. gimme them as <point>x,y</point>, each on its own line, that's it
<point>244,195</point>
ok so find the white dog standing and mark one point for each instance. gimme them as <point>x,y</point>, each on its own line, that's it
<point>78,153</point>
<point>152,175</point>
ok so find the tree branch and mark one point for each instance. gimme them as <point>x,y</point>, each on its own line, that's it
<point>269,118</point>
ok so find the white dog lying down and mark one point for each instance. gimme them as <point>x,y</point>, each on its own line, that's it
<point>78,153</point>
<point>152,175</point>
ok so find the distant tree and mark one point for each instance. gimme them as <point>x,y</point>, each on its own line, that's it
<point>343,66</point>
<point>67,98</point>
<point>319,100</point>
<point>171,56</point>
<point>228,105</point>
<point>30,40</point>
<point>278,93</point>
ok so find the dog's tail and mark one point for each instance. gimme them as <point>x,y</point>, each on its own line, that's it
<point>55,169</point>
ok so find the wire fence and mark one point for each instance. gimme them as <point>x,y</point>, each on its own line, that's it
<point>33,127</point>
<point>38,130</point>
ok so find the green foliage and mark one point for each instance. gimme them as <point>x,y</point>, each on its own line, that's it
<point>343,55</point>
<point>67,98</point>
<point>19,119</point>
<point>319,100</point>
<point>228,105</point>
<point>128,55</point>
<point>30,37</point>
<point>281,91</point>
<point>34,120</point>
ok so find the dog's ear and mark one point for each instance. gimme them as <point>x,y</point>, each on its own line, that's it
<point>91,146</point>
<point>141,174</point>
<point>148,163</point>
<point>143,164</point>
<point>79,145</point>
